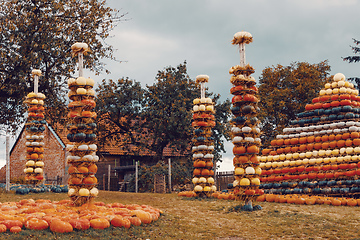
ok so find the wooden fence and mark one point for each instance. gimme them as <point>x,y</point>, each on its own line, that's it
<point>223,179</point>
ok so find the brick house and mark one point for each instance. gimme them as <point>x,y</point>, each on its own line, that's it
<point>54,157</point>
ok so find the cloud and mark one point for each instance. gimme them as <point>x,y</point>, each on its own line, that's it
<point>2,162</point>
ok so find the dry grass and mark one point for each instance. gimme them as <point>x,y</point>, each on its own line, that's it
<point>188,218</point>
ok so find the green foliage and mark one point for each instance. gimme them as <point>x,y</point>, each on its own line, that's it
<point>181,173</point>
<point>285,90</point>
<point>119,105</point>
<point>167,110</point>
<point>156,117</point>
<point>38,34</point>
<point>354,59</point>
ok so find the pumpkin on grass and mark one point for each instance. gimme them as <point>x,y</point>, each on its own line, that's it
<point>15,229</point>
<point>80,223</point>
<point>59,226</point>
<point>36,224</point>
<point>12,223</point>
<point>99,223</point>
<point>2,228</point>
<point>145,217</point>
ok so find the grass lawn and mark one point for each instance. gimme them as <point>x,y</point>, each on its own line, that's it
<point>189,218</point>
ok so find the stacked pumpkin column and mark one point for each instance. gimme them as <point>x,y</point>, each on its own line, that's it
<point>245,131</point>
<point>34,128</point>
<point>81,127</point>
<point>203,122</point>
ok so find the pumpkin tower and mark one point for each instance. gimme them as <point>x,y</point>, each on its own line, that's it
<point>34,128</point>
<point>203,144</point>
<point>245,131</point>
<point>81,127</point>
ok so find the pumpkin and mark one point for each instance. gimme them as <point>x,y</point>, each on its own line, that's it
<point>36,224</point>
<point>270,197</point>
<point>80,223</point>
<point>335,202</point>
<point>12,223</point>
<point>352,202</point>
<point>99,223</point>
<point>15,229</point>
<point>59,226</point>
<point>135,221</point>
<point>2,228</point>
<point>145,217</point>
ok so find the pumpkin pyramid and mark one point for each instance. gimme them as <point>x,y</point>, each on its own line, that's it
<point>319,153</point>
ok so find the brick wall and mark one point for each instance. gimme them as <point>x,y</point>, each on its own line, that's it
<point>54,158</point>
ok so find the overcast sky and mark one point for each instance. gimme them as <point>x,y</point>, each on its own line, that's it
<point>161,33</point>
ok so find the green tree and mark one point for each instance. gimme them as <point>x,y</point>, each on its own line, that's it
<point>354,59</point>
<point>156,117</point>
<point>38,34</point>
<point>167,112</point>
<point>119,106</point>
<point>285,90</point>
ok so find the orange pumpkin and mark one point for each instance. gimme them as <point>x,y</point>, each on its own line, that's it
<point>59,226</point>
<point>338,136</point>
<point>356,141</point>
<point>354,135</point>
<point>331,137</point>
<point>310,139</point>
<point>287,141</point>
<point>261,198</point>
<point>15,229</point>
<point>2,228</point>
<point>266,151</point>
<point>280,142</point>
<point>253,149</point>
<point>270,197</point>
<point>302,148</point>
<point>335,202</point>
<point>99,223</point>
<point>12,223</point>
<point>36,224</point>
<point>83,169</point>
<point>93,168</point>
<point>352,202</point>
<point>80,223</point>
<point>280,150</point>
<point>135,221</point>
<point>325,138</point>
<point>310,201</point>
<point>348,142</point>
<point>319,200</point>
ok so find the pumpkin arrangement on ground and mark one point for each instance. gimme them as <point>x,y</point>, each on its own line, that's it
<point>62,216</point>
<point>245,131</point>
<point>81,126</point>
<point>319,153</point>
<point>34,128</point>
<point>203,122</point>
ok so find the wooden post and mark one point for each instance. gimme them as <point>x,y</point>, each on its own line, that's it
<point>109,172</point>
<point>136,176</point>
<point>81,64</point>
<point>242,54</point>
<point>104,181</point>
<point>7,186</point>
<point>169,174</point>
